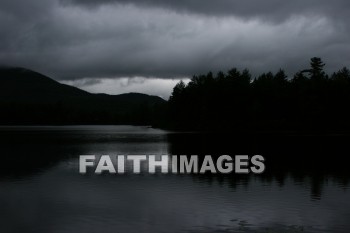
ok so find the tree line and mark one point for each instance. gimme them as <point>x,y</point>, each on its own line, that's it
<point>309,101</point>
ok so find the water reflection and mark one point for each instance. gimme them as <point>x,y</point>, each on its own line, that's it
<point>317,158</point>
<point>304,188</point>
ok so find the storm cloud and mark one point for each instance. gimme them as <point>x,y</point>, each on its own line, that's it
<point>273,10</point>
<point>86,39</point>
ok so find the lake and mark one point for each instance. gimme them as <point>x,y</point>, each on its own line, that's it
<point>305,187</point>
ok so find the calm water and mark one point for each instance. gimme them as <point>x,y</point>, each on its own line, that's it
<point>305,187</point>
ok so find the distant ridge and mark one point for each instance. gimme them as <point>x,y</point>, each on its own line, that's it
<point>28,97</point>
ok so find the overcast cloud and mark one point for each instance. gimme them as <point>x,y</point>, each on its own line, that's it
<point>85,39</point>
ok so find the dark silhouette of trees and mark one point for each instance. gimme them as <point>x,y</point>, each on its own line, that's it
<point>310,101</point>
<point>317,68</point>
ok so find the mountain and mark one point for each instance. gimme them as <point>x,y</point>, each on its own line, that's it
<point>28,97</point>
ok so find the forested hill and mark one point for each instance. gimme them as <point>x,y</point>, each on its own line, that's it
<point>28,97</point>
<point>311,100</point>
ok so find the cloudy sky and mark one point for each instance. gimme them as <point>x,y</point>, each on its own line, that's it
<point>117,46</point>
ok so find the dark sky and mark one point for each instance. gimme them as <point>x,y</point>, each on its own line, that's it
<point>88,43</point>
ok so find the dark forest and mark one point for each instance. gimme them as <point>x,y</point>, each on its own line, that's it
<point>310,101</point>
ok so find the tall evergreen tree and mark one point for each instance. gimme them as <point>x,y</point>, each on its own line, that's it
<point>316,70</point>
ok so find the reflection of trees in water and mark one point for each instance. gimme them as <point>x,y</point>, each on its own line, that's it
<point>314,182</point>
<point>237,225</point>
<point>28,152</point>
<point>312,160</point>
